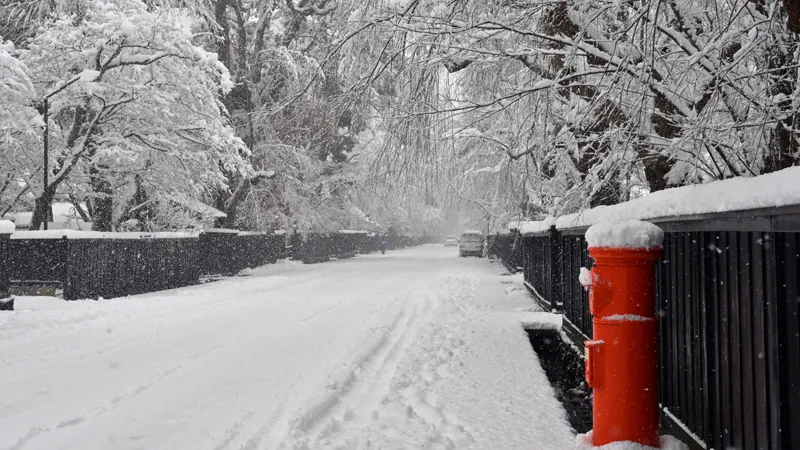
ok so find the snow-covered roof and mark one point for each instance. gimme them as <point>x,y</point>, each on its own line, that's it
<point>64,216</point>
<point>472,232</point>
<point>772,190</point>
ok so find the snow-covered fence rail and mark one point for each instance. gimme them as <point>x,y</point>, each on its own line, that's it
<point>727,298</point>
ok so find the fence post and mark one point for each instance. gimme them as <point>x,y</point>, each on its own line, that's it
<point>554,266</point>
<point>622,357</point>
<point>6,300</point>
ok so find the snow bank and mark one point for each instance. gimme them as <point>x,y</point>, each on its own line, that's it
<point>584,442</point>
<point>626,234</point>
<point>585,278</point>
<point>353,231</point>
<point>77,234</point>
<point>772,190</point>
<point>6,227</point>
<point>540,321</point>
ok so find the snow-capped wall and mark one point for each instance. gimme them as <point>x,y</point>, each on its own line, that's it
<point>772,190</point>
<point>533,226</point>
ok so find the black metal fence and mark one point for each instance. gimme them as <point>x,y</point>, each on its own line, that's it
<point>508,248</point>
<point>319,247</point>
<point>6,301</point>
<point>127,265</point>
<point>118,267</point>
<point>225,253</point>
<point>728,304</point>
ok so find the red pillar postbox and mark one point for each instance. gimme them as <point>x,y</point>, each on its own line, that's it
<point>622,359</point>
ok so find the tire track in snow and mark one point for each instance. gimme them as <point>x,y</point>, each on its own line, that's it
<point>355,395</point>
<point>411,414</point>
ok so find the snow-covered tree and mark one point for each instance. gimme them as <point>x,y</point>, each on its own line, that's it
<point>20,128</point>
<point>136,106</point>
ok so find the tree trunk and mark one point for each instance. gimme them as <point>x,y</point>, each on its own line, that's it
<point>43,210</point>
<point>102,204</point>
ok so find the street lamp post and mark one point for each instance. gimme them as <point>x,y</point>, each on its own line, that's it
<point>45,179</point>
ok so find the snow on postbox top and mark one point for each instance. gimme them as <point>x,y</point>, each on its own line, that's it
<point>633,234</point>
<point>6,227</point>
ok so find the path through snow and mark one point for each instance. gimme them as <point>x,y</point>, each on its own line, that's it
<point>416,349</point>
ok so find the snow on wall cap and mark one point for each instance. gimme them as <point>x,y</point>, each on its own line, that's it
<point>627,234</point>
<point>533,226</point>
<point>772,190</point>
<point>6,227</point>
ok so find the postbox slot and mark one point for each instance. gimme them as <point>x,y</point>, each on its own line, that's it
<point>594,363</point>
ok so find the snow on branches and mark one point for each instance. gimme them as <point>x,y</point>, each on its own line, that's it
<point>132,98</point>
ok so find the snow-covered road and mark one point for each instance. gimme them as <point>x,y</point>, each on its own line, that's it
<point>412,349</point>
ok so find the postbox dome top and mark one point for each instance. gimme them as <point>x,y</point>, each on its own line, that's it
<point>632,234</point>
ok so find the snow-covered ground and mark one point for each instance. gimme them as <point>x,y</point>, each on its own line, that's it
<point>413,349</point>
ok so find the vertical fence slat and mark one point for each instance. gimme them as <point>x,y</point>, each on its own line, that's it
<point>759,348</point>
<point>714,342</point>
<point>789,335</point>
<point>746,308</point>
<point>736,341</point>
<point>682,307</point>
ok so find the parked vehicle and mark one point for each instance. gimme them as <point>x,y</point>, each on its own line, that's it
<point>450,241</point>
<point>471,243</point>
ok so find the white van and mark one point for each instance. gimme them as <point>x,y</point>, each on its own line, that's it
<point>471,243</point>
